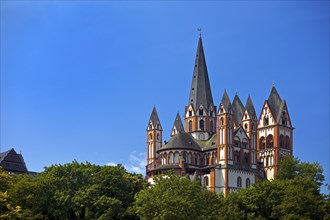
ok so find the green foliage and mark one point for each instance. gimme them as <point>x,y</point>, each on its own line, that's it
<point>175,197</point>
<point>87,191</point>
<point>77,191</point>
<point>291,167</point>
<point>7,210</point>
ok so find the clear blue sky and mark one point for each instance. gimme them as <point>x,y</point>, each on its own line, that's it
<point>79,78</point>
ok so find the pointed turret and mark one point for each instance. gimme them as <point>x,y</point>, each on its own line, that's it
<point>200,91</point>
<point>249,107</point>
<point>225,103</point>
<point>238,109</point>
<point>274,102</point>
<point>154,120</point>
<point>154,137</point>
<point>177,126</point>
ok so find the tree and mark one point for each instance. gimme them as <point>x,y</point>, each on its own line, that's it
<point>7,210</point>
<point>291,167</point>
<point>77,191</point>
<point>176,197</point>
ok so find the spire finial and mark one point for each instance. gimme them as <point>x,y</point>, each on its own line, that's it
<point>273,84</point>
<point>200,31</point>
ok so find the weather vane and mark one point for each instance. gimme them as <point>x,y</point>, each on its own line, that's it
<point>200,31</point>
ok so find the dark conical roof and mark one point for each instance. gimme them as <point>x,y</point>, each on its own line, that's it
<point>250,108</point>
<point>274,102</point>
<point>178,123</point>
<point>200,91</point>
<point>182,141</point>
<point>238,109</point>
<point>225,102</point>
<point>155,119</point>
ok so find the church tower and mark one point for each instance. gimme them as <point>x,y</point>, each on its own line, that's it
<point>225,138</point>
<point>154,137</point>
<point>275,133</point>
<point>200,114</point>
<point>249,124</point>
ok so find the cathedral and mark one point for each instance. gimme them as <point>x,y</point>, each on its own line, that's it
<point>227,147</point>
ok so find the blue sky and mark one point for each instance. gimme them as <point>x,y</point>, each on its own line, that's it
<point>79,79</point>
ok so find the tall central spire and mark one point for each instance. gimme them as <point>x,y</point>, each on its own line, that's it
<point>200,91</point>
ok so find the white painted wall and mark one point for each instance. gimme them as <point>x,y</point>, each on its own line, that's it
<point>233,175</point>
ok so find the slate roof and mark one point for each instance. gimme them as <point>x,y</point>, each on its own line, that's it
<point>275,102</point>
<point>250,108</point>
<point>238,109</point>
<point>12,162</point>
<point>181,141</point>
<point>225,102</point>
<point>209,144</point>
<point>200,91</point>
<point>154,119</point>
<point>178,123</point>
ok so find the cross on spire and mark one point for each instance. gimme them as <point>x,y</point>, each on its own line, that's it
<point>200,31</point>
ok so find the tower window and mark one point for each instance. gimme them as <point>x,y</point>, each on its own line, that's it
<point>245,126</point>
<point>201,124</point>
<point>266,121</point>
<point>200,111</point>
<point>221,110</point>
<point>157,136</point>
<point>206,181</point>
<point>190,113</point>
<point>221,121</point>
<point>150,136</point>
<point>239,181</point>
<point>245,116</point>
<point>248,183</point>
<point>190,126</point>
<point>211,126</point>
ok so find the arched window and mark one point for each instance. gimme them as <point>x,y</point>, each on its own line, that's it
<point>184,156</point>
<point>176,157</point>
<point>269,143</point>
<point>287,142</point>
<point>150,136</point>
<point>190,113</point>
<point>246,126</point>
<point>284,118</point>
<point>201,124</point>
<point>245,144</point>
<point>239,181</point>
<point>282,145</point>
<point>164,158</point>
<point>157,136</point>
<point>171,158</point>
<point>214,158</point>
<point>247,183</point>
<point>262,143</point>
<point>200,111</point>
<point>266,121</point>
<point>221,121</point>
<point>229,122</point>
<point>206,160</point>
<point>211,126</point>
<point>206,181</point>
<point>190,126</point>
